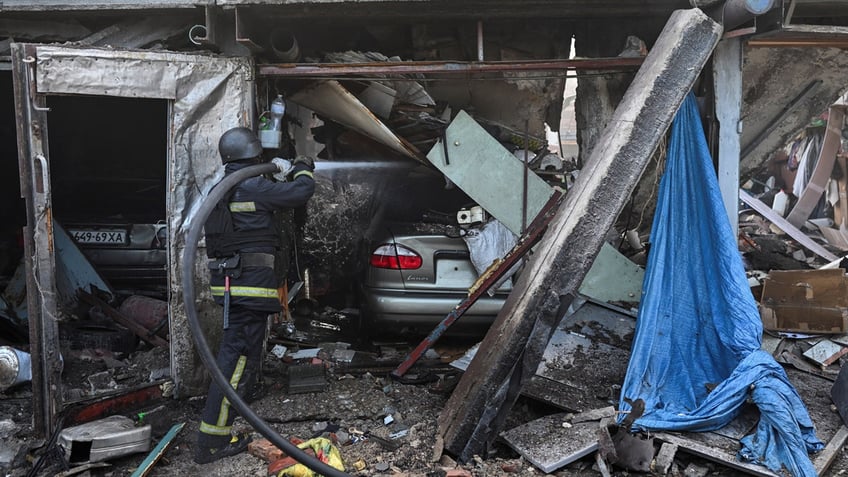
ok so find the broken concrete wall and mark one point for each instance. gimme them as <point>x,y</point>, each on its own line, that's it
<point>207,96</point>
<point>773,79</point>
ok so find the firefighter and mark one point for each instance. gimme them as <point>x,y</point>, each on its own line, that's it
<point>241,243</point>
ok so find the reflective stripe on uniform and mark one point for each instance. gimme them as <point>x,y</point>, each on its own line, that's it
<point>303,173</point>
<point>251,292</point>
<point>243,206</point>
<point>224,413</point>
<point>214,430</point>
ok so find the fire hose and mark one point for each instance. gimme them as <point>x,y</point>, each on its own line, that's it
<point>188,275</point>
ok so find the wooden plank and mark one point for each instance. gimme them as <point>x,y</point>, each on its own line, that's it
<point>826,457</point>
<point>513,347</point>
<point>714,454</point>
<point>824,166</point>
<point>790,229</point>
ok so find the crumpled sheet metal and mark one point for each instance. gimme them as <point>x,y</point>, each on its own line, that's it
<point>208,95</point>
<point>331,99</point>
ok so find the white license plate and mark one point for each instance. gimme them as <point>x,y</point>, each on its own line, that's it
<point>101,236</point>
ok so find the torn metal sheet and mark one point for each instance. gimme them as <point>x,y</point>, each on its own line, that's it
<point>825,352</point>
<point>552,442</point>
<point>73,270</point>
<point>479,165</point>
<point>379,99</point>
<point>15,293</point>
<point>135,33</point>
<point>332,100</point>
<point>613,277</point>
<point>78,71</point>
<point>147,464</point>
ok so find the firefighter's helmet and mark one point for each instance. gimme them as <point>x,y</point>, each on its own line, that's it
<point>238,144</point>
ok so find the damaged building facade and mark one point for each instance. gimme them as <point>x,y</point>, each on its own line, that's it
<point>114,109</point>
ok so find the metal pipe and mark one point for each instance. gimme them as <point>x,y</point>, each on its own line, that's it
<point>737,12</point>
<point>284,45</point>
<point>526,172</point>
<point>480,56</point>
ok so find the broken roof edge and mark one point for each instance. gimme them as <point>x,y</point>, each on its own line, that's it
<point>566,9</point>
<point>98,5</point>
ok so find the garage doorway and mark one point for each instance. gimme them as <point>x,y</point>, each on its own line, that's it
<point>109,184</point>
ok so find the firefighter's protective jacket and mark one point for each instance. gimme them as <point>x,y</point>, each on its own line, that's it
<point>252,205</point>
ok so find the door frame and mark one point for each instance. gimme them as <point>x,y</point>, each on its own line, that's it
<point>207,94</point>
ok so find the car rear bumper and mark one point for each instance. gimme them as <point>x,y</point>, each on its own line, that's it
<point>405,311</point>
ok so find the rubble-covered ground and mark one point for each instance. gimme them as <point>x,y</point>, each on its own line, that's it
<point>358,396</point>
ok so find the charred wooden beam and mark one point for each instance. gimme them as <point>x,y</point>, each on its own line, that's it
<point>512,350</point>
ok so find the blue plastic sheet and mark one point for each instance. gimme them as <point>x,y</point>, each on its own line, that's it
<point>698,324</point>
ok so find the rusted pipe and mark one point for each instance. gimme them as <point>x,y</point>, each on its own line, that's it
<point>446,67</point>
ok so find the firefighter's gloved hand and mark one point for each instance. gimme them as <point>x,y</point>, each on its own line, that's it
<point>305,161</point>
<point>284,166</point>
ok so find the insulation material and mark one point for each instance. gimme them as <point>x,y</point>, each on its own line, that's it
<point>696,356</point>
<point>208,95</point>
<point>488,244</point>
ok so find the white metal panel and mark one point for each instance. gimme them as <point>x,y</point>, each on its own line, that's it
<point>479,165</point>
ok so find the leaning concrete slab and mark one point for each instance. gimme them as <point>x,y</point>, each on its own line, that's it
<point>512,349</point>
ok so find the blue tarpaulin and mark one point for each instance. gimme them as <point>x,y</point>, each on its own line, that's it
<point>699,327</point>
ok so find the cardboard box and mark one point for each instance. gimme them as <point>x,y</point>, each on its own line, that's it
<point>805,301</point>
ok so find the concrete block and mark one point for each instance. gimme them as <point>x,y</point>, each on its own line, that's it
<point>664,459</point>
<point>548,445</point>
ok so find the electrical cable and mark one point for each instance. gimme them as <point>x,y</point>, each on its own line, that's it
<point>189,254</point>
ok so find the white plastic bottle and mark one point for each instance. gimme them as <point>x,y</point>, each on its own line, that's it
<point>272,133</point>
<point>278,109</point>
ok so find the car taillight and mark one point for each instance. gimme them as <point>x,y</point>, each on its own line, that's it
<point>395,257</point>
